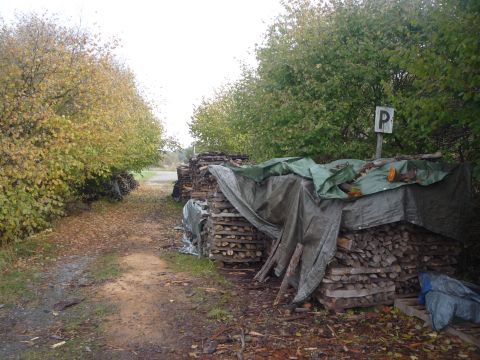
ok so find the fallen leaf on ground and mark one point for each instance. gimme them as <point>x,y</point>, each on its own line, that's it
<point>254,333</point>
<point>58,344</point>
<point>62,305</point>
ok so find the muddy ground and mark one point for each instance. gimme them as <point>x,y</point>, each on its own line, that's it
<point>115,287</point>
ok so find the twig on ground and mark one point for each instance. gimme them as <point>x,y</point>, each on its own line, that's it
<point>242,339</point>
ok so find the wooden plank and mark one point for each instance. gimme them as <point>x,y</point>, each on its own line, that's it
<point>232,260</point>
<point>232,223</point>
<point>223,248</point>
<point>226,215</point>
<point>262,274</point>
<point>237,233</point>
<point>330,303</point>
<point>470,335</point>
<point>240,241</point>
<point>362,270</point>
<point>358,293</point>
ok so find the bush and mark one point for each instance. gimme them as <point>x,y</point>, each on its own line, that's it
<point>325,66</point>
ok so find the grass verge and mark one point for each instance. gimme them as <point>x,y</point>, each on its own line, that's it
<point>214,304</point>
<point>16,285</point>
<point>197,266</point>
<point>35,246</point>
<point>17,274</point>
<point>106,267</point>
<point>81,331</point>
<point>174,207</point>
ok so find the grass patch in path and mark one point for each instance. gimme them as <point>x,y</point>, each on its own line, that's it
<point>174,207</point>
<point>220,314</point>
<point>15,285</point>
<point>82,330</point>
<point>35,246</point>
<point>196,266</point>
<point>106,267</point>
<point>19,263</point>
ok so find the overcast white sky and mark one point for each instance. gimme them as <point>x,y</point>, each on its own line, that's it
<point>179,50</point>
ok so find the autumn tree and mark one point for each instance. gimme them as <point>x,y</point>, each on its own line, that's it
<point>68,112</point>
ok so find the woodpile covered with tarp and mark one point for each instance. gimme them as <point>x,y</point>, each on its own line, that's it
<point>337,244</point>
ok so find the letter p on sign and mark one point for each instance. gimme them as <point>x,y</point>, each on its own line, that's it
<point>384,119</point>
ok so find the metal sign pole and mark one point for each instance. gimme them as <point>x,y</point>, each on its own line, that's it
<point>378,153</point>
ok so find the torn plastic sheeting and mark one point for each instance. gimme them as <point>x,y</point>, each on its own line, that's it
<point>288,209</point>
<point>447,298</point>
<point>194,216</point>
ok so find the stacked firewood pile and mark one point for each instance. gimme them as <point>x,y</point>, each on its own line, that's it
<point>230,237</point>
<point>373,265</point>
<point>426,251</point>
<point>183,185</point>
<point>203,182</point>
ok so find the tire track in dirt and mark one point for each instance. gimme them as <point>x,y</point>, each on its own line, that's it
<point>146,303</point>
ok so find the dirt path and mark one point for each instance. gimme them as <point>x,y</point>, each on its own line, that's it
<point>133,296</point>
<point>162,177</point>
<point>110,258</point>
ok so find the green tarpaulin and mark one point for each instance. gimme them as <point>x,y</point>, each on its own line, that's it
<point>328,177</point>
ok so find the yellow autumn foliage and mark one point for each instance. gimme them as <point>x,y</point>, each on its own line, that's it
<point>69,111</point>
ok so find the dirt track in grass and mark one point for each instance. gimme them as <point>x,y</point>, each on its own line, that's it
<point>139,299</point>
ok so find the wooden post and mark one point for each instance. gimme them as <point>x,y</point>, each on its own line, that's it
<point>378,154</point>
<point>288,274</point>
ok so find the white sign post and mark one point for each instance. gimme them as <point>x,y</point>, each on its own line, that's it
<point>383,124</point>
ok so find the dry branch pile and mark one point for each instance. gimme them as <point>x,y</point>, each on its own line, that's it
<point>203,182</point>
<point>372,265</point>
<point>231,238</point>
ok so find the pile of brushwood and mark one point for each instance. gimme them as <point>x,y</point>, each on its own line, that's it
<point>113,188</point>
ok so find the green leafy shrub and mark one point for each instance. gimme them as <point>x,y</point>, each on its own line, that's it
<point>323,67</point>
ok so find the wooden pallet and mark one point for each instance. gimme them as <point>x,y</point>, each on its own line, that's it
<point>468,332</point>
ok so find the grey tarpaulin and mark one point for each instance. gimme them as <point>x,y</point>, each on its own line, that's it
<point>194,215</point>
<point>287,208</point>
<point>446,298</point>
